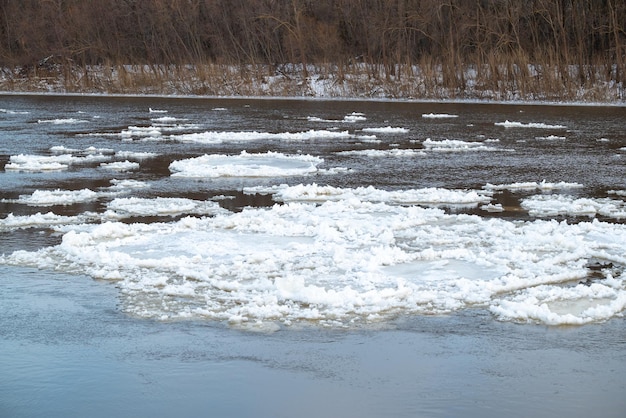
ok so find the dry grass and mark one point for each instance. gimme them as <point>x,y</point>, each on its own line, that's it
<point>493,78</point>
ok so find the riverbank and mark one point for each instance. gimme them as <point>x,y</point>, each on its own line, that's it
<point>503,84</point>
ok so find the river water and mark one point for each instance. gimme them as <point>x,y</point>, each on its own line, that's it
<point>245,257</point>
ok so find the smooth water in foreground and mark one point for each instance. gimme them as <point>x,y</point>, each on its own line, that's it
<point>67,350</point>
<point>275,258</point>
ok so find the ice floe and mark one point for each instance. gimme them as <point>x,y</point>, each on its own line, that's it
<point>127,185</point>
<point>90,151</point>
<point>135,155</point>
<point>354,117</point>
<point>430,196</point>
<point>56,197</point>
<point>455,145</point>
<point>66,121</point>
<point>438,116</point>
<point>554,205</point>
<point>341,259</point>
<point>497,207</point>
<point>166,119</point>
<point>535,125</point>
<point>378,153</point>
<point>350,118</point>
<point>44,220</point>
<point>62,158</point>
<point>140,132</point>
<point>61,197</point>
<point>218,137</point>
<point>269,164</point>
<point>386,130</point>
<point>14,112</point>
<point>554,305</point>
<point>39,163</point>
<point>531,185</point>
<point>120,166</point>
<point>161,206</point>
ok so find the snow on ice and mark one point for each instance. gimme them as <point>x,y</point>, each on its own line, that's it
<point>536,125</point>
<point>438,116</point>
<point>341,257</point>
<point>269,164</point>
<point>455,145</point>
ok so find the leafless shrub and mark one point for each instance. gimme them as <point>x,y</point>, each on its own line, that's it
<point>532,49</point>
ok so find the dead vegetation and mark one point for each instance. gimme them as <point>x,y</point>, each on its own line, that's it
<point>480,49</point>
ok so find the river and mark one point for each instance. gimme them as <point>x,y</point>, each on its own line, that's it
<point>266,258</point>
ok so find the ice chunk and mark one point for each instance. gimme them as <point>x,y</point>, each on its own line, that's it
<point>438,116</point>
<point>455,145</point>
<point>542,185</point>
<point>160,206</point>
<point>535,125</point>
<point>56,197</point>
<point>270,164</point>
<point>344,257</point>
<point>553,205</point>
<point>386,130</point>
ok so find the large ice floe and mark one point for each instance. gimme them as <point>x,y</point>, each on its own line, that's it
<point>341,257</point>
<point>269,164</point>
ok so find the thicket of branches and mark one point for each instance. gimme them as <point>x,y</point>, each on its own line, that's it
<point>499,36</point>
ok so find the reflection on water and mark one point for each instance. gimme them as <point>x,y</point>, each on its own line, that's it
<point>240,200</point>
<point>67,350</point>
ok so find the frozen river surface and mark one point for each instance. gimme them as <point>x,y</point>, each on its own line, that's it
<point>398,259</point>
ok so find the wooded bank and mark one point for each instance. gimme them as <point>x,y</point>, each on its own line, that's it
<point>528,45</point>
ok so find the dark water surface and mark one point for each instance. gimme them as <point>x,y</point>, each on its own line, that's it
<point>67,349</point>
<point>589,154</point>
